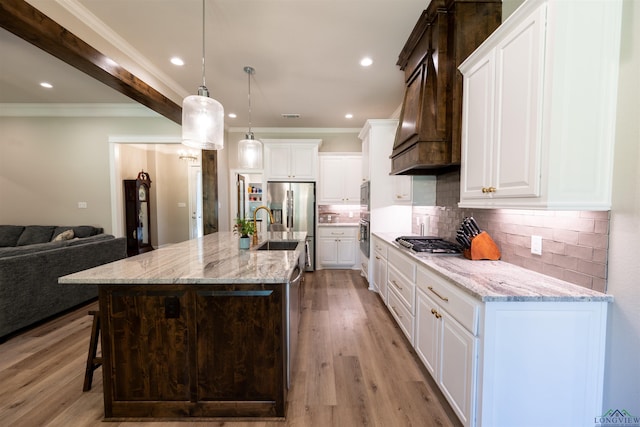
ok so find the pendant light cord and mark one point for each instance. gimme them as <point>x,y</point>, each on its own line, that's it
<point>203,50</point>
<point>249,78</point>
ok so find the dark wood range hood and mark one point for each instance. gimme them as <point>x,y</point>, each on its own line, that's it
<point>428,137</point>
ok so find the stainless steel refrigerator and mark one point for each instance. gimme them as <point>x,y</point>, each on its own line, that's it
<point>293,205</point>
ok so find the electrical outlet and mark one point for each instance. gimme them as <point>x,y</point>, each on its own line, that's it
<point>536,245</point>
<point>82,205</point>
<point>350,214</point>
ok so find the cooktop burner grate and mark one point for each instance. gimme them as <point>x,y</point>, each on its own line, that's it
<point>428,244</point>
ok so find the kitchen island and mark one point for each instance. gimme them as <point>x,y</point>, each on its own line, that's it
<point>507,346</point>
<point>199,329</point>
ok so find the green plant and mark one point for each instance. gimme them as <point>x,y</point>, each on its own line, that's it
<point>244,227</point>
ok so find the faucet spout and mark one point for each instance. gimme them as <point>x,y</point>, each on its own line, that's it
<point>255,218</point>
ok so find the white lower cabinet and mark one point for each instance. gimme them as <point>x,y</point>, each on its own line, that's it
<point>501,363</point>
<point>380,268</point>
<point>448,350</point>
<point>338,247</point>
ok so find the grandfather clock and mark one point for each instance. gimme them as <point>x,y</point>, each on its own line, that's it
<point>138,214</point>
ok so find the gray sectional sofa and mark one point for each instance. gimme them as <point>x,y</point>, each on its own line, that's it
<point>31,260</point>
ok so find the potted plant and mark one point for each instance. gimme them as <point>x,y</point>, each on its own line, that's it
<point>245,228</point>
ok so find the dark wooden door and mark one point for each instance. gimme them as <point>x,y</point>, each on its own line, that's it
<point>209,191</point>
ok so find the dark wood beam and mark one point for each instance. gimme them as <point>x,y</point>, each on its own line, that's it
<point>28,23</point>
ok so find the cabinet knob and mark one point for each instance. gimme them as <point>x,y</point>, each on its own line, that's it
<point>488,189</point>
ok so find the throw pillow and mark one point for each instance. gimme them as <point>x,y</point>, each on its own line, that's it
<point>65,235</point>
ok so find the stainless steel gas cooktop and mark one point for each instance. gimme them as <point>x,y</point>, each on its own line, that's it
<point>428,244</point>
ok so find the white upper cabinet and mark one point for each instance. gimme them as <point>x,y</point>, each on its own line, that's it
<point>340,178</point>
<point>291,160</point>
<point>539,109</point>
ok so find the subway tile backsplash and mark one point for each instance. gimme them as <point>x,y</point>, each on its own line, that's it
<point>574,243</point>
<point>338,214</point>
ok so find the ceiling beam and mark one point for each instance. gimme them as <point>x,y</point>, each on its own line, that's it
<point>28,23</point>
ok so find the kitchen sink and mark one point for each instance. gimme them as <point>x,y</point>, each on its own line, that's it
<point>278,245</point>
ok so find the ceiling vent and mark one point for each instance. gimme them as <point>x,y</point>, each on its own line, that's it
<point>290,116</point>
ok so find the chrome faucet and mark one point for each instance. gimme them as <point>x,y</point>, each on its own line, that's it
<point>255,217</point>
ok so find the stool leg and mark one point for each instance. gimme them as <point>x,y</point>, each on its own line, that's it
<point>93,349</point>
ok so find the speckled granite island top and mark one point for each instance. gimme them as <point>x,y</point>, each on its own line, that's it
<point>498,280</point>
<point>212,259</point>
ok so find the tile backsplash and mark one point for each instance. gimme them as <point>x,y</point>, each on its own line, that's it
<point>574,243</point>
<point>338,214</point>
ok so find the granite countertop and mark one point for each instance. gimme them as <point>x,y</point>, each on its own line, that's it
<point>499,280</point>
<point>212,259</point>
<point>338,224</point>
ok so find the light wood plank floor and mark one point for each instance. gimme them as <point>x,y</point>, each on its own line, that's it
<point>354,368</point>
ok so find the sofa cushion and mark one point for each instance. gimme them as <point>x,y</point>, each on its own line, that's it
<point>79,231</point>
<point>9,234</point>
<point>33,234</point>
<point>65,235</point>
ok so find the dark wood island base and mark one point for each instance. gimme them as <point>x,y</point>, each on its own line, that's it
<point>194,351</point>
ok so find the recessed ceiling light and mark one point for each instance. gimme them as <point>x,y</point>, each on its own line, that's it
<point>177,61</point>
<point>46,85</point>
<point>366,61</point>
<point>232,115</point>
<point>348,116</point>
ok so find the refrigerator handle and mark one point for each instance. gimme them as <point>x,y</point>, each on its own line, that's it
<point>290,210</point>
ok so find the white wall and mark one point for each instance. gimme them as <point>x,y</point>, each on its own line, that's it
<point>622,374</point>
<point>49,164</point>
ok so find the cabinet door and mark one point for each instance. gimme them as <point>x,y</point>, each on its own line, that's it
<point>303,162</point>
<point>340,179</point>
<point>477,128</point>
<point>518,115</point>
<point>278,160</point>
<point>380,276</point>
<point>327,251</point>
<point>347,251</point>
<point>240,359</point>
<point>457,366</point>
<point>332,183</point>
<point>148,366</point>
<point>427,332</point>
<point>352,173</point>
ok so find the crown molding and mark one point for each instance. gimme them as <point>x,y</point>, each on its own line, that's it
<point>293,130</point>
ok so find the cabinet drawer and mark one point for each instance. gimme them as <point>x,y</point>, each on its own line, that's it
<point>337,232</point>
<point>402,263</point>
<point>380,248</point>
<point>401,314</point>
<point>406,290</point>
<point>459,305</point>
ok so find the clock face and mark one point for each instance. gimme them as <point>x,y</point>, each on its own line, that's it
<point>142,193</point>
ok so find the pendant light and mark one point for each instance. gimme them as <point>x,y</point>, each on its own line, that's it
<point>249,149</point>
<point>202,116</point>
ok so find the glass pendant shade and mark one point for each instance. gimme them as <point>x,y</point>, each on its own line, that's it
<point>202,122</point>
<point>249,153</point>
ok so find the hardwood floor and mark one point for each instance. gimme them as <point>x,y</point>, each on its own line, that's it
<point>354,368</point>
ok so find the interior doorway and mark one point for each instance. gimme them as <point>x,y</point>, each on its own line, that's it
<point>176,185</point>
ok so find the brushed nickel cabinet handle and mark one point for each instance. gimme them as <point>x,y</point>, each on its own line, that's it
<point>396,285</point>
<point>439,296</point>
